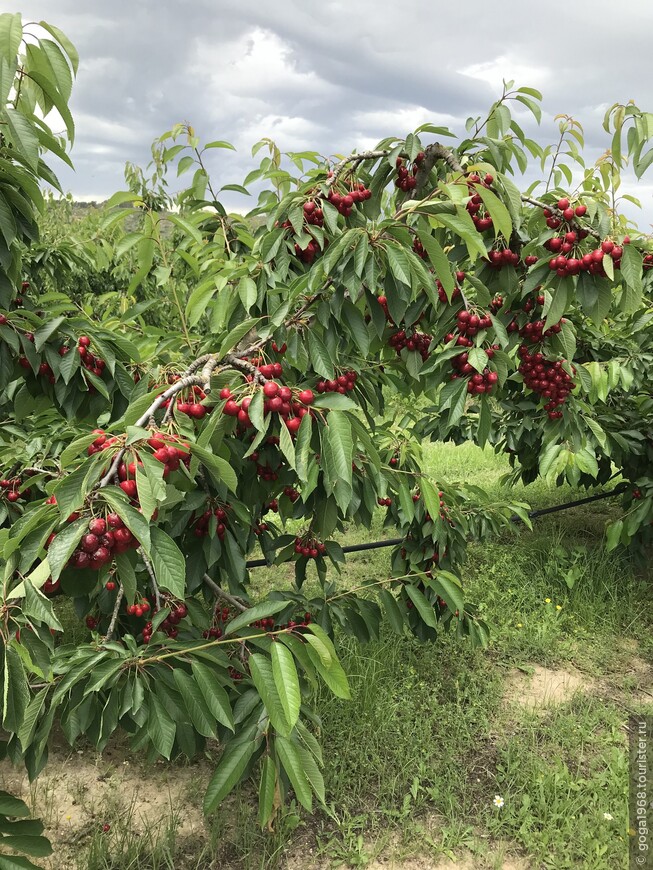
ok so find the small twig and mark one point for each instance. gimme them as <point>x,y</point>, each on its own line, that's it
<point>114,616</point>
<point>219,591</point>
<point>150,571</point>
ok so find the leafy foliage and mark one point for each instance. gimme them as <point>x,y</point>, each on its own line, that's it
<point>152,453</point>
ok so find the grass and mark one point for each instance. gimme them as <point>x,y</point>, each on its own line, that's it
<point>413,762</point>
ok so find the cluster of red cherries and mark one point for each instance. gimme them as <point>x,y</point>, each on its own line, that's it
<point>105,537</point>
<point>343,383</point>
<point>479,382</point>
<point>412,341</point>
<point>269,624</point>
<point>309,547</point>
<point>201,527</point>
<point>10,489</point>
<point>406,177</point>
<point>475,206</point>
<point>564,246</point>
<point>169,624</point>
<point>547,378</point>
<point>222,615</point>
<point>442,293</point>
<point>344,202</point>
<point>500,257</point>
<point>278,399</point>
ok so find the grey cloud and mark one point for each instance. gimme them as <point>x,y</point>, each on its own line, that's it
<point>337,73</point>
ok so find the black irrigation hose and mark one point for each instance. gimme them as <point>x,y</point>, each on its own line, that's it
<point>393,542</point>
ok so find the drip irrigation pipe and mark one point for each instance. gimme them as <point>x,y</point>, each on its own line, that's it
<point>394,542</point>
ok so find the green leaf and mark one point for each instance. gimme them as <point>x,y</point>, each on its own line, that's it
<point>332,672</point>
<point>168,562</point>
<point>447,586</point>
<point>236,335</point>
<point>613,536</point>
<point>335,402</point>
<point>292,763</point>
<point>497,210</point>
<point>37,846</point>
<point>28,726</point>
<point>260,669</point>
<point>422,604</point>
<point>286,445</point>
<point>135,521</point>
<point>11,35</point>
<point>439,261</point>
<point>63,545</point>
<point>197,708</point>
<point>160,727</point>
<point>37,606</point>
<point>394,614</point>
<point>266,791</point>
<point>253,614</point>
<point>286,681</point>
<point>631,267</point>
<point>231,767</point>
<point>13,806</point>
<point>399,263</point>
<point>219,467</point>
<point>214,694</point>
<point>319,355</point>
<point>15,691</point>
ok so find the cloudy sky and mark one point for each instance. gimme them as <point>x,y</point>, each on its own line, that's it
<point>334,75</point>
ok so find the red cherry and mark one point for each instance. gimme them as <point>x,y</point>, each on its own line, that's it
<point>197,411</point>
<point>90,543</point>
<point>270,389</point>
<point>306,397</point>
<point>231,408</point>
<point>129,488</point>
<point>114,521</point>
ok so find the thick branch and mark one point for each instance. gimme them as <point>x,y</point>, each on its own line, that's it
<point>219,591</point>
<point>355,160</point>
<point>433,153</point>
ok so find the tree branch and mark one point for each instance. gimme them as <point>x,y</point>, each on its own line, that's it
<point>150,571</point>
<point>114,615</point>
<point>219,591</point>
<point>356,160</point>
<point>433,153</point>
<point>556,211</point>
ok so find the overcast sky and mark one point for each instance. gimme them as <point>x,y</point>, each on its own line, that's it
<point>331,76</point>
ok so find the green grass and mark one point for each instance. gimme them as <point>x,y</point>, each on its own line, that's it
<point>414,760</point>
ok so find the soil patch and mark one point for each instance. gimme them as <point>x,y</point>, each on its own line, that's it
<point>542,687</point>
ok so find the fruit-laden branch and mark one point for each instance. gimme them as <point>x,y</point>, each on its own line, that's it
<point>558,213</point>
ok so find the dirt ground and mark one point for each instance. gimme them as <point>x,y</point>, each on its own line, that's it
<point>79,789</point>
